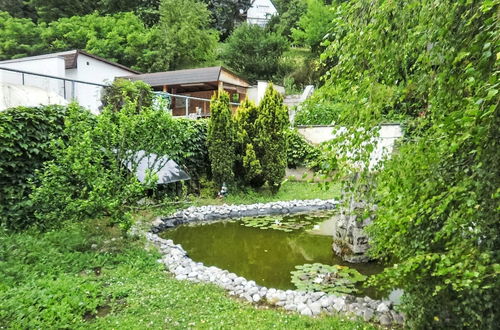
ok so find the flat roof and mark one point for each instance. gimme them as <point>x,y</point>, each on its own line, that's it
<point>188,76</point>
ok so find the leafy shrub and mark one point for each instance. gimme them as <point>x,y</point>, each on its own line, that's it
<point>221,139</point>
<point>26,135</point>
<point>194,147</point>
<point>300,152</point>
<point>123,90</point>
<point>87,177</point>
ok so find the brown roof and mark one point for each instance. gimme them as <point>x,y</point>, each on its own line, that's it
<point>187,76</point>
<point>70,57</point>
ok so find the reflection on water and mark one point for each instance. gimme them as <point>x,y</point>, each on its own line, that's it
<point>265,256</point>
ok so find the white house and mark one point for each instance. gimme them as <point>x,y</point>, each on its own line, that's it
<point>261,12</point>
<point>73,75</point>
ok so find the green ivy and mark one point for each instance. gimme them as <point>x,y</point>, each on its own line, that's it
<point>26,136</point>
<point>299,151</point>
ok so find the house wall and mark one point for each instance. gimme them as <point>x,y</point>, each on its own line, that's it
<point>88,69</point>
<point>260,12</point>
<point>91,70</point>
<point>49,66</point>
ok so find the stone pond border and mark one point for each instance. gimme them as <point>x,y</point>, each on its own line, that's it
<point>176,260</point>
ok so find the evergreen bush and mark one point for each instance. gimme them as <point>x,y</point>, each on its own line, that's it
<point>271,127</point>
<point>221,139</point>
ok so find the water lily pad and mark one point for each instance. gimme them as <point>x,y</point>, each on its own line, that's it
<point>286,223</point>
<point>334,279</point>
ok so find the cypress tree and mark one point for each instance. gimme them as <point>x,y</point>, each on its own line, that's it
<point>220,139</point>
<point>271,125</point>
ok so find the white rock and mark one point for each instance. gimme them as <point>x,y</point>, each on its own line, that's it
<point>382,308</point>
<point>256,297</point>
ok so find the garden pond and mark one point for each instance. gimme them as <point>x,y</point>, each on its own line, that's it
<point>268,249</point>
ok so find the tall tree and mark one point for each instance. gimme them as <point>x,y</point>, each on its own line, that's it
<point>313,26</point>
<point>271,125</point>
<point>18,37</point>
<point>186,38</point>
<point>121,37</point>
<point>220,139</point>
<point>51,10</point>
<point>253,52</point>
<point>227,14</point>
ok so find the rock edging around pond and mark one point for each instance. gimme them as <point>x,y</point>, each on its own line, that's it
<point>219,212</point>
<point>176,260</point>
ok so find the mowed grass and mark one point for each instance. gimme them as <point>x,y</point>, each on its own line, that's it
<point>289,190</point>
<point>89,276</point>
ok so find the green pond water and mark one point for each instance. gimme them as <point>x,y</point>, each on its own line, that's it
<point>266,256</point>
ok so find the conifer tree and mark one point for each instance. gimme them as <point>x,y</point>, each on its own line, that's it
<point>271,125</point>
<point>220,139</point>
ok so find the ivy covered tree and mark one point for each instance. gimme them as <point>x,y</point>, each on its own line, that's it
<point>271,127</point>
<point>221,138</point>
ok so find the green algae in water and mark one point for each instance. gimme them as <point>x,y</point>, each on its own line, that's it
<point>266,256</point>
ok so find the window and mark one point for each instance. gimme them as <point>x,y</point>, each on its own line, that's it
<point>236,97</point>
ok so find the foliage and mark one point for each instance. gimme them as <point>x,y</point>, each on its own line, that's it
<point>185,39</point>
<point>122,90</point>
<point>220,139</point>
<point>51,10</point>
<point>248,164</point>
<point>122,38</point>
<point>253,52</point>
<point>435,64</point>
<point>87,275</point>
<point>289,14</point>
<point>18,37</point>
<point>271,125</point>
<point>300,152</point>
<point>25,144</point>
<point>87,177</point>
<point>319,110</point>
<point>334,279</point>
<point>314,25</point>
<point>227,13</point>
<point>194,146</point>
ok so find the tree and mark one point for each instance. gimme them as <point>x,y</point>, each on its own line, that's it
<point>220,139</point>
<point>227,13</point>
<point>122,38</point>
<point>253,52</point>
<point>248,164</point>
<point>18,8</point>
<point>313,26</point>
<point>435,66</point>
<point>185,37</point>
<point>289,15</point>
<point>19,37</point>
<point>51,10</point>
<point>271,125</point>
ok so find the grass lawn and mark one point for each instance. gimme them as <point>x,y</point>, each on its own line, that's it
<point>290,190</point>
<point>88,276</point>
